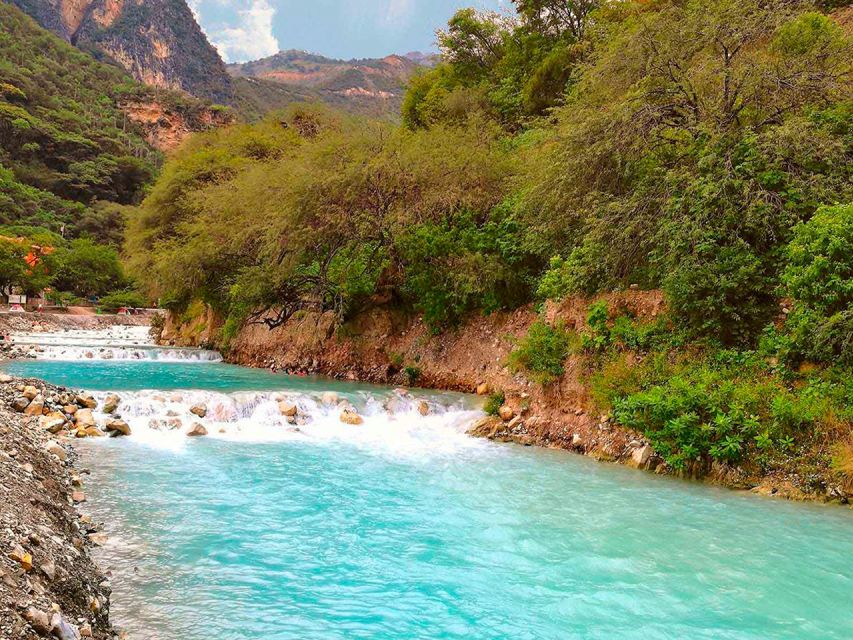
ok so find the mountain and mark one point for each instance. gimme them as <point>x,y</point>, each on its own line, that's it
<point>76,133</point>
<point>158,42</point>
<point>371,85</point>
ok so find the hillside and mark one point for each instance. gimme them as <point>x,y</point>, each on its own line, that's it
<point>79,140</point>
<point>64,141</point>
<point>157,41</point>
<point>698,149</point>
<point>369,86</point>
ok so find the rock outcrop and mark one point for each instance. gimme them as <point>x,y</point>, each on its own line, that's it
<point>158,42</point>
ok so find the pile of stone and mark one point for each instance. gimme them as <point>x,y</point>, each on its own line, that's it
<point>49,586</point>
<point>65,413</point>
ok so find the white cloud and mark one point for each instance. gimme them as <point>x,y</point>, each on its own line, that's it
<point>240,29</point>
<point>397,11</point>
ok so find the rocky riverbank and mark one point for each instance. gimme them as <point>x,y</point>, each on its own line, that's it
<point>49,585</point>
<point>387,346</point>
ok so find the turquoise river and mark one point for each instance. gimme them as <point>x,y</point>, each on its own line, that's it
<point>404,527</point>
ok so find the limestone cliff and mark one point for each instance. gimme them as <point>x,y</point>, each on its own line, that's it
<point>157,41</point>
<point>165,124</point>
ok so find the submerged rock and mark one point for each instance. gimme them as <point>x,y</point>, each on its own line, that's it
<point>329,397</point>
<point>423,408</point>
<point>199,410</point>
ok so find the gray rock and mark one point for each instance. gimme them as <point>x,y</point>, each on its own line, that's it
<point>62,629</point>
<point>38,620</point>
<point>53,447</point>
<point>48,568</point>
<point>640,456</point>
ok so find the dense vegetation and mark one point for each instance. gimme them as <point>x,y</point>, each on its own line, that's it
<point>579,147</point>
<point>69,161</point>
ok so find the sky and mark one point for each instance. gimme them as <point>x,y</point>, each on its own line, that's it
<point>250,29</point>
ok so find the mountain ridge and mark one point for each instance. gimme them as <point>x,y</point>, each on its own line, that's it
<point>158,42</point>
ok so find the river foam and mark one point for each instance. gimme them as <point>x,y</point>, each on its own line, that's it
<point>393,423</point>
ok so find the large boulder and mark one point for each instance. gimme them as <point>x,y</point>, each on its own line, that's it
<point>640,456</point>
<point>20,404</point>
<point>199,410</point>
<point>36,407</point>
<point>52,422</point>
<point>39,620</point>
<point>29,392</point>
<point>506,413</point>
<point>85,418</point>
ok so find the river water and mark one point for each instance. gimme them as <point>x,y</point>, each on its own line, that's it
<point>404,527</point>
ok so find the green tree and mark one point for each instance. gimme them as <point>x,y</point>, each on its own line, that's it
<point>86,268</point>
<point>819,277</point>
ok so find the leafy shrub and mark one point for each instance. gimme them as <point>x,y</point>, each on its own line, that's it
<point>819,277</point>
<point>581,273</point>
<point>598,336</point>
<point>413,374</point>
<point>688,418</point>
<point>542,352</point>
<point>118,299</point>
<point>632,334</point>
<point>722,292</point>
<point>456,266</point>
<point>494,403</point>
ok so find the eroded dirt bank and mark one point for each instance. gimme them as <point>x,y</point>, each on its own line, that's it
<point>386,346</point>
<point>49,585</point>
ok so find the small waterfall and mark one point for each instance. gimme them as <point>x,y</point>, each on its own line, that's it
<point>395,422</point>
<point>111,352</point>
<point>112,343</point>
